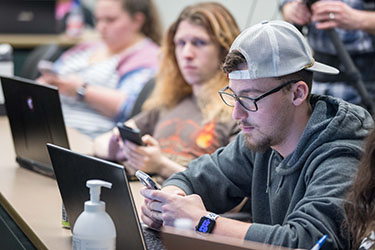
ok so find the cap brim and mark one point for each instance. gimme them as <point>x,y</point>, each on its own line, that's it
<point>323,68</point>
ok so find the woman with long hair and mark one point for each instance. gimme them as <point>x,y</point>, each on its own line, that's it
<point>184,117</point>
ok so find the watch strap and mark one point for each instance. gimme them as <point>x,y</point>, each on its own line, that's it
<point>81,91</point>
<point>212,216</point>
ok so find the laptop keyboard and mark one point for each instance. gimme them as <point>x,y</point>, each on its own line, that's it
<point>152,239</point>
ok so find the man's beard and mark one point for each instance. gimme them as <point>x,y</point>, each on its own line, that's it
<point>261,146</point>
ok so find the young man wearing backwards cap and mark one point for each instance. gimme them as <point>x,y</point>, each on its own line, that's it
<point>294,159</point>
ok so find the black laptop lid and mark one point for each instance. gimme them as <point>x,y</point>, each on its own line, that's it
<point>28,17</point>
<point>35,117</point>
<point>72,170</point>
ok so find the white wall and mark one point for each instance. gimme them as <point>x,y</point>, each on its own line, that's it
<point>246,12</point>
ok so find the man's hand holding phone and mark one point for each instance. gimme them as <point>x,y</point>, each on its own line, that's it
<point>165,206</point>
<point>146,180</point>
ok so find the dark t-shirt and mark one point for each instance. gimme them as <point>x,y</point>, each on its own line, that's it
<point>181,134</point>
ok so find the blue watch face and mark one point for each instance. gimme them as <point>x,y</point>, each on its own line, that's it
<point>205,225</point>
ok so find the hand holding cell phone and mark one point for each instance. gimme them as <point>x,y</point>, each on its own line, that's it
<point>130,134</point>
<point>146,180</point>
<point>46,67</point>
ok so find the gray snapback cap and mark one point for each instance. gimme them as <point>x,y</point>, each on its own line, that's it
<point>275,48</point>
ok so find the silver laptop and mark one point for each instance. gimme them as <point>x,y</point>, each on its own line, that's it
<point>35,118</point>
<point>74,169</point>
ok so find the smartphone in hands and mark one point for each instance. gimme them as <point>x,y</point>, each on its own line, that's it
<point>46,67</point>
<point>146,180</point>
<point>130,134</point>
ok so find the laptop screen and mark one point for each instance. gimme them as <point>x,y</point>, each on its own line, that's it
<point>35,117</point>
<point>28,17</point>
<point>73,170</point>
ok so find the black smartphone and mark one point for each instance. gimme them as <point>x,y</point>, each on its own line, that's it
<point>146,180</point>
<point>130,134</point>
<point>46,67</point>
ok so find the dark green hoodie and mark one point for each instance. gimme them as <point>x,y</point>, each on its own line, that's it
<point>296,200</point>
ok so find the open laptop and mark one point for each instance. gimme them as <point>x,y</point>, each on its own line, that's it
<point>35,118</point>
<point>28,17</point>
<point>72,170</point>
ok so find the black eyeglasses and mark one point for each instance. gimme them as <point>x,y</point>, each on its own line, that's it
<point>248,103</point>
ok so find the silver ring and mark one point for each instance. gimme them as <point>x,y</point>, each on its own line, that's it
<point>332,16</point>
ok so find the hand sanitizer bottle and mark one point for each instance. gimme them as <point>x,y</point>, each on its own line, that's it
<point>94,228</point>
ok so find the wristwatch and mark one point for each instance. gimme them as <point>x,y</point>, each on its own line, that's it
<point>81,91</point>
<point>207,223</point>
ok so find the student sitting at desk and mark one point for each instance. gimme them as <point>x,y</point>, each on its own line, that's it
<point>294,159</point>
<point>73,16</point>
<point>100,81</point>
<point>184,118</point>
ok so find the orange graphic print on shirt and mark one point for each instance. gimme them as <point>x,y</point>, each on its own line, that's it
<point>185,140</point>
<point>206,135</point>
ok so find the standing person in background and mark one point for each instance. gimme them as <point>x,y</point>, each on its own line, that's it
<point>354,20</point>
<point>183,118</point>
<point>294,158</point>
<point>66,8</point>
<point>100,81</point>
<point>360,203</point>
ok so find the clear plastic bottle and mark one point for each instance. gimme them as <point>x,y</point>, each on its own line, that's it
<point>94,228</point>
<point>75,22</point>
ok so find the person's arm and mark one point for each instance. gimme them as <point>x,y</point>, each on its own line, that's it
<point>105,100</point>
<point>295,12</point>
<point>164,207</point>
<point>110,140</point>
<point>319,210</point>
<point>224,176</point>
<point>149,158</point>
<point>344,16</point>
<point>118,103</point>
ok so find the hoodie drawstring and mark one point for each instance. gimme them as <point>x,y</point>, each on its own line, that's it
<point>269,172</point>
<point>280,184</point>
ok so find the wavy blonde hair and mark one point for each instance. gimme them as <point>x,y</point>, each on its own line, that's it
<point>171,87</point>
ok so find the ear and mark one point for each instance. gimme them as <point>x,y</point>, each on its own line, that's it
<point>300,91</point>
<point>139,20</point>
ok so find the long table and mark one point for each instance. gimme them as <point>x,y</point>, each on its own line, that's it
<point>33,200</point>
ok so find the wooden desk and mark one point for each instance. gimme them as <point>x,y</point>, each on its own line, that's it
<point>23,44</point>
<point>33,200</point>
<point>32,40</point>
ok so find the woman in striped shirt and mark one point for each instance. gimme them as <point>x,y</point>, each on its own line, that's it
<point>100,81</point>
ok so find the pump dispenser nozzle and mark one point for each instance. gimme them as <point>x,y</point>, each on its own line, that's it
<point>94,204</point>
